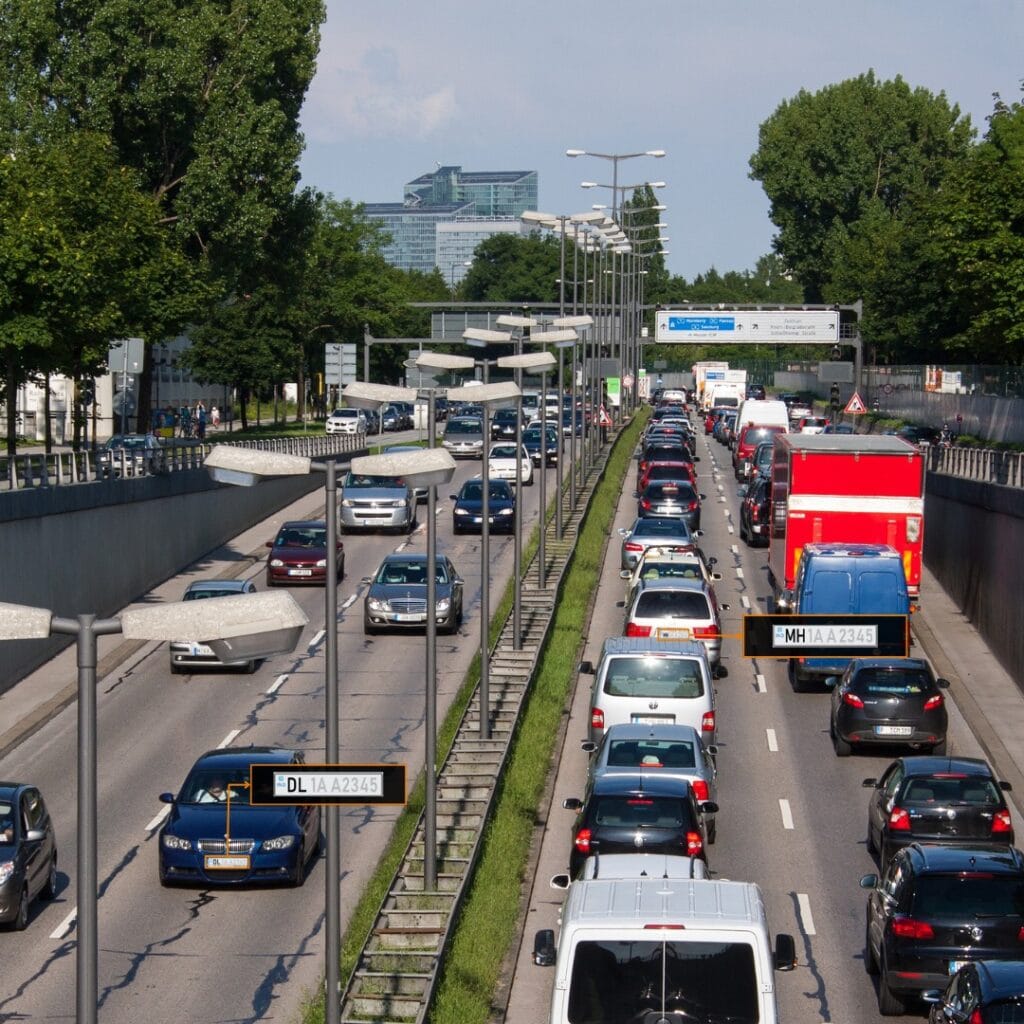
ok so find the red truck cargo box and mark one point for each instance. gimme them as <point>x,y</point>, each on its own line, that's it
<point>848,489</point>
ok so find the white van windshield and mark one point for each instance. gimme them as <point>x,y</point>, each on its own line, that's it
<point>622,982</point>
<point>654,677</point>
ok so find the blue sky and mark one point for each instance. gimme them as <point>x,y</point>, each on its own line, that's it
<point>403,87</point>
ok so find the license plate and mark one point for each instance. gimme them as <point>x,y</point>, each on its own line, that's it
<point>300,572</point>
<point>407,617</point>
<point>955,965</point>
<point>894,730</point>
<point>674,634</point>
<point>219,862</point>
<point>200,651</point>
<point>653,719</point>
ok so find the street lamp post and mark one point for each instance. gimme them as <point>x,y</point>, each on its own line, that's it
<point>615,158</point>
<point>262,624</point>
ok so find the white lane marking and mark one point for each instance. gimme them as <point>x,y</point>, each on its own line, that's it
<point>229,739</point>
<point>735,549</point>
<point>158,820</point>
<point>721,497</point>
<point>762,686</point>
<point>438,509</point>
<point>739,573</point>
<point>348,604</point>
<point>731,530</point>
<point>402,546</point>
<point>65,926</point>
<point>721,487</point>
<point>277,683</point>
<point>315,642</point>
<point>787,814</point>
<point>725,511</point>
<point>805,913</point>
<point>773,743</point>
<point>744,600</point>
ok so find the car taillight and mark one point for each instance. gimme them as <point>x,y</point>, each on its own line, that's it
<point>933,702</point>
<point>707,723</point>
<point>596,718</point>
<point>1001,822</point>
<point>694,844</point>
<point>908,928</point>
<point>633,546</point>
<point>583,840</point>
<point>853,700</point>
<point>700,789</point>
<point>693,506</point>
<point>913,529</point>
<point>755,513</point>
<point>705,632</point>
<point>645,503</point>
<point>899,820</point>
<point>633,629</point>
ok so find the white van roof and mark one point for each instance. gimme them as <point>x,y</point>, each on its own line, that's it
<point>643,865</point>
<point>635,903</point>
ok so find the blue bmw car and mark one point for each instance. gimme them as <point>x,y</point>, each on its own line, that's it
<point>468,511</point>
<point>266,844</point>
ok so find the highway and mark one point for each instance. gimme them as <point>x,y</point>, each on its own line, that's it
<point>201,955</point>
<point>792,815</point>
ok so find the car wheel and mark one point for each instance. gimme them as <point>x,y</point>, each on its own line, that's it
<point>49,890</point>
<point>743,532</point>
<point>889,1004</point>
<point>939,750</point>
<point>176,670</point>
<point>712,832</point>
<point>20,922</point>
<point>796,680</point>
<point>341,568</point>
<point>298,876</point>
<point>871,844</point>
<point>870,963</point>
<point>842,748</point>
<point>251,666</point>
<point>884,854</point>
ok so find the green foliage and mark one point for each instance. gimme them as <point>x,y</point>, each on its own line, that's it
<point>514,269</point>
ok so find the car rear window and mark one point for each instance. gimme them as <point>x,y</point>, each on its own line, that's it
<point>758,435</point>
<point>671,489</point>
<point>671,570</point>
<point>965,790</point>
<point>971,895</point>
<point>900,682</point>
<point>663,604</point>
<point>651,754</point>
<point>640,812</point>
<point>654,677</point>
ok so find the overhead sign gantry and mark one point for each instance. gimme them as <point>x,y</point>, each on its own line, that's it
<point>695,326</point>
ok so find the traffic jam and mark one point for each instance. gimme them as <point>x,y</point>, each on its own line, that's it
<point>648,930</point>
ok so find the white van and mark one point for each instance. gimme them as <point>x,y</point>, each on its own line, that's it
<point>764,412</point>
<point>663,949</point>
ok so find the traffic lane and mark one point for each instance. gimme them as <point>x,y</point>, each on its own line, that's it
<point>531,986</point>
<point>178,726</point>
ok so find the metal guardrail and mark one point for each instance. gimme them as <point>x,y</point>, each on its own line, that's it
<point>58,469</point>
<point>987,465</point>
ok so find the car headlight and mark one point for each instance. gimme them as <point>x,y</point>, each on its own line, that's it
<point>173,842</point>
<point>461,512</point>
<point>321,563</point>
<point>276,563</point>
<point>444,604</point>
<point>402,503</point>
<point>378,604</point>
<point>280,843</point>
<point>506,512</point>
<point>347,503</point>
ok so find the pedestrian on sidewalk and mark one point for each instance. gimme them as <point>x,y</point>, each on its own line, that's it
<point>215,418</point>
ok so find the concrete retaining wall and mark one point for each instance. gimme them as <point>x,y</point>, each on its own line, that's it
<point>973,545</point>
<point>96,547</point>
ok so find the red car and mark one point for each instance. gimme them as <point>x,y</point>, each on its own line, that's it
<point>298,554</point>
<point>666,470</point>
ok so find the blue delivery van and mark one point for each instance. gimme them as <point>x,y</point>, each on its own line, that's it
<point>845,579</point>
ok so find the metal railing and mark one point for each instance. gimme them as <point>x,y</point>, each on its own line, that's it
<point>35,470</point>
<point>987,465</point>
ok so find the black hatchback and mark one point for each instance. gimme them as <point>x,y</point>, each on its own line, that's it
<point>631,815</point>
<point>984,992</point>
<point>887,701</point>
<point>936,908</point>
<point>937,800</point>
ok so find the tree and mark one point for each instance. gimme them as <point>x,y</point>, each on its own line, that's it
<point>513,269</point>
<point>852,150</point>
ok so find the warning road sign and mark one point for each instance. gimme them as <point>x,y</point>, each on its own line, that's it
<point>603,418</point>
<point>855,405</point>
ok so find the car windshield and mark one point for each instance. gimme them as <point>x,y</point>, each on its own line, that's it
<point>503,451</point>
<point>672,604</point>
<point>662,528</point>
<point>346,414</point>
<point>464,427</point>
<point>473,490</point>
<point>362,480</point>
<point>671,570</point>
<point>201,593</point>
<point>640,812</point>
<point>963,789</point>
<point>6,822</point>
<point>126,442</point>
<point>899,681</point>
<point>408,573</point>
<point>651,754</point>
<point>968,894</point>
<point>654,677</point>
<point>212,785</point>
<point>302,537</point>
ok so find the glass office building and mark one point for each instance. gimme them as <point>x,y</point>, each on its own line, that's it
<point>472,206</point>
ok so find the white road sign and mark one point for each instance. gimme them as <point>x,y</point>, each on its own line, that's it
<point>746,326</point>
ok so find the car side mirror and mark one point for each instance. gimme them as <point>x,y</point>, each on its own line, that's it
<point>366,579</point>
<point>716,576</point>
<point>709,807</point>
<point>696,458</point>
<point>725,607</point>
<point>35,835</point>
<point>1005,786</point>
<point>544,948</point>
<point>624,574</point>
<point>942,683</point>
<point>741,492</point>
<point>572,803</point>
<point>623,532</point>
<point>588,746</point>
<point>870,784</point>
<point>454,497</point>
<point>712,561</point>
<point>269,544</point>
<point>785,952</point>
<point>698,533</point>
<point>167,798</point>
<point>703,497</point>
<point>868,881</point>
<point>560,881</point>
<point>930,995</point>
<point>831,682</point>
<point>712,749</point>
<point>586,668</point>
<point>458,581</point>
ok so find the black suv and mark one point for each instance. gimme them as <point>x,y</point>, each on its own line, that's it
<point>935,908</point>
<point>630,815</point>
<point>937,800</point>
<point>986,992</point>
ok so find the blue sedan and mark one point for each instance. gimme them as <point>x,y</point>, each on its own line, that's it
<point>468,513</point>
<point>264,845</point>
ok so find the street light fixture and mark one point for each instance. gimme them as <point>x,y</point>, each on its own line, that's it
<point>237,619</point>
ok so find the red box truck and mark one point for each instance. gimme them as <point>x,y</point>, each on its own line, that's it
<point>844,488</point>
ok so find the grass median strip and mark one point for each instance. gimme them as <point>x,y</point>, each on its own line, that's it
<point>488,921</point>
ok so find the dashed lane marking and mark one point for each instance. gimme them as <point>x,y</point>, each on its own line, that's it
<point>159,819</point>
<point>762,686</point>
<point>787,814</point>
<point>735,549</point>
<point>315,642</point>
<point>65,926</point>
<point>739,573</point>
<point>351,601</point>
<point>744,600</point>
<point>277,683</point>
<point>229,739</point>
<point>805,913</point>
<point>773,743</point>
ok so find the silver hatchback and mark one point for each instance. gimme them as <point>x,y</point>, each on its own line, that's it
<point>676,609</point>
